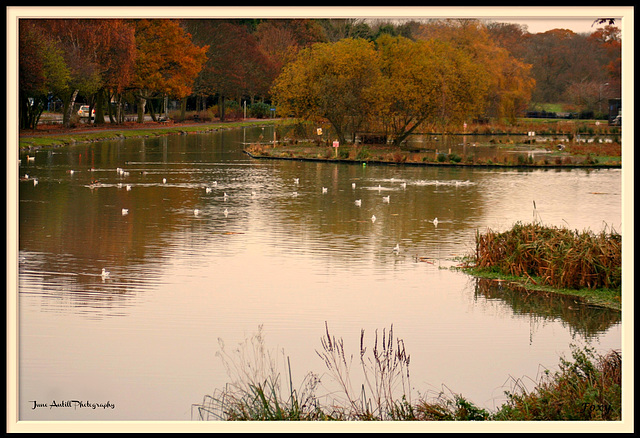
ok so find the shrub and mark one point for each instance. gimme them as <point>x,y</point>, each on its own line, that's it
<point>258,110</point>
<point>454,158</point>
<point>587,389</point>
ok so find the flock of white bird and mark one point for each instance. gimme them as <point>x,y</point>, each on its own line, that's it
<point>208,189</point>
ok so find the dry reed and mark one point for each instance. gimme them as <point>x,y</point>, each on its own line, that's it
<point>557,257</point>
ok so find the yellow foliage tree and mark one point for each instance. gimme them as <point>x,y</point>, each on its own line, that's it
<point>332,81</point>
<point>426,83</point>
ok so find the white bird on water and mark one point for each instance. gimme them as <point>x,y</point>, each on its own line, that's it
<point>128,187</point>
<point>196,212</point>
<point>226,212</point>
<point>324,190</point>
<point>296,180</point>
<point>385,198</point>
<point>353,185</point>
<point>164,180</point>
<point>207,189</point>
<point>435,222</point>
<point>35,182</point>
<point>358,202</point>
<point>225,196</point>
<point>125,211</point>
<point>373,218</point>
<point>105,273</point>
<point>396,249</point>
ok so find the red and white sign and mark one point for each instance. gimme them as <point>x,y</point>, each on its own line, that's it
<point>336,143</point>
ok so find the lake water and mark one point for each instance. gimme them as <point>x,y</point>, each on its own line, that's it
<point>281,253</point>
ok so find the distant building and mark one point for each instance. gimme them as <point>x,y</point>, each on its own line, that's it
<point>615,111</point>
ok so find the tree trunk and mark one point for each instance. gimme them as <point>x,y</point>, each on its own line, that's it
<point>68,108</point>
<point>152,111</point>
<point>222,99</point>
<point>397,139</point>
<point>142,102</point>
<point>109,107</point>
<point>100,98</point>
<point>183,108</point>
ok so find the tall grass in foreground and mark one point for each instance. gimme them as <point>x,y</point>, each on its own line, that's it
<point>256,389</point>
<point>589,388</point>
<point>557,257</point>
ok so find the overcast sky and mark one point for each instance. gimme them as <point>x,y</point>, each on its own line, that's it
<point>543,25</point>
<point>537,18</point>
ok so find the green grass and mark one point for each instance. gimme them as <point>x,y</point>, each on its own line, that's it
<point>45,141</point>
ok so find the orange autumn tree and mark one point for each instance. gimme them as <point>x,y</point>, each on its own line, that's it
<point>115,58</point>
<point>167,63</point>
<point>608,40</point>
<point>509,81</point>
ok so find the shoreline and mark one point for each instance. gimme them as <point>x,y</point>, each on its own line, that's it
<point>587,296</point>
<point>365,162</point>
<point>54,137</point>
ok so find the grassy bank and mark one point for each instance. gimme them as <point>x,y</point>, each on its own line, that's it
<point>51,138</point>
<point>551,259</point>
<point>588,387</point>
<point>583,157</point>
<point>565,143</point>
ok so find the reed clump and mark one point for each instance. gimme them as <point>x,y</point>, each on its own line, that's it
<point>557,257</point>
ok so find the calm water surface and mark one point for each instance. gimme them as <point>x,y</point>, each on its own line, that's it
<point>279,253</point>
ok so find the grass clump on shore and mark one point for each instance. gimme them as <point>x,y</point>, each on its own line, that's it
<point>587,388</point>
<point>556,257</point>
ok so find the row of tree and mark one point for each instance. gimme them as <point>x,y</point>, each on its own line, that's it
<point>107,62</point>
<point>395,85</point>
<point>101,60</point>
